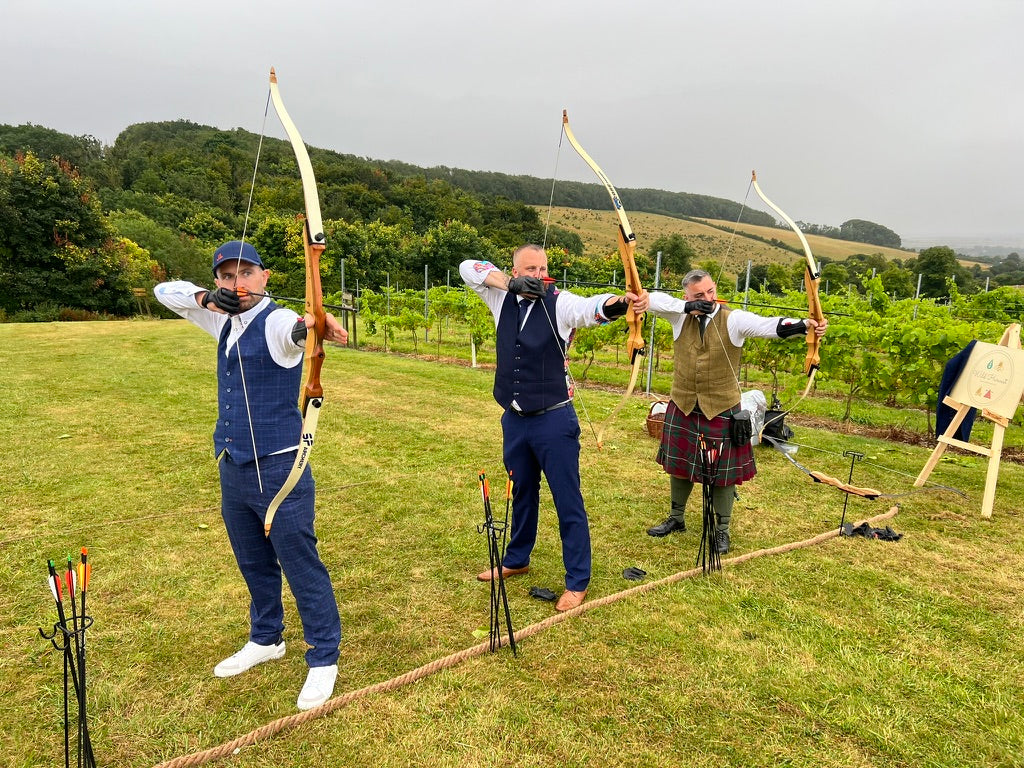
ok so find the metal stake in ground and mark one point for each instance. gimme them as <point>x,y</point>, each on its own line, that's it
<point>84,572</point>
<point>501,575</point>
<point>75,647</point>
<point>854,458</point>
<point>492,559</point>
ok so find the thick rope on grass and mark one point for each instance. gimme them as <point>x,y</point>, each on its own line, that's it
<point>291,721</point>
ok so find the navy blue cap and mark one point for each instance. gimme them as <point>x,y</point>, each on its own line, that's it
<point>234,250</point>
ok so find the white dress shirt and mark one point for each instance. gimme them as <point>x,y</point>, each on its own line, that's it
<point>179,297</point>
<point>571,311</point>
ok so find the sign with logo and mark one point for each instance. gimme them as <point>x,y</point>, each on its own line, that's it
<point>993,379</point>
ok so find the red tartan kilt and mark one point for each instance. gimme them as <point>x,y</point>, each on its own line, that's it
<point>679,452</point>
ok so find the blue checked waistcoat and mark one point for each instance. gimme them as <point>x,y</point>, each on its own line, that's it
<point>272,394</point>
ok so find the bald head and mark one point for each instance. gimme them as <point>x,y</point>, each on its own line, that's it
<point>530,261</point>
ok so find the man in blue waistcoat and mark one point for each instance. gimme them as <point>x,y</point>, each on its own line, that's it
<point>260,348</point>
<point>540,430</point>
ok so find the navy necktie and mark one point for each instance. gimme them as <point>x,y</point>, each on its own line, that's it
<point>703,323</point>
<point>524,306</point>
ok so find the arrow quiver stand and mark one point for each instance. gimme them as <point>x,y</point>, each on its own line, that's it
<point>496,533</point>
<point>68,638</point>
<point>707,555</point>
<point>993,382</point>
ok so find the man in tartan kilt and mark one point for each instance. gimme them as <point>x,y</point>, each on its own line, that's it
<point>706,394</point>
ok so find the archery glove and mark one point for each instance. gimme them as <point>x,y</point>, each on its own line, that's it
<point>299,331</point>
<point>528,287</point>
<point>224,299</point>
<point>616,309</point>
<point>787,328</point>
<point>703,307</point>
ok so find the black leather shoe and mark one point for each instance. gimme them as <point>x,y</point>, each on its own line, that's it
<point>671,524</point>
<point>722,542</point>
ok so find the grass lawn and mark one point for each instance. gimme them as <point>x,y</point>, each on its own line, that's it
<point>850,653</point>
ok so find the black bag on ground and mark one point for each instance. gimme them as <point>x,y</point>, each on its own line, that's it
<point>775,427</point>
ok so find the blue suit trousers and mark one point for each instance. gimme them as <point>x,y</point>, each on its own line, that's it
<point>548,443</point>
<point>291,549</point>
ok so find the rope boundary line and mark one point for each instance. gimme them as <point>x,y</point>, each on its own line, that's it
<point>291,721</point>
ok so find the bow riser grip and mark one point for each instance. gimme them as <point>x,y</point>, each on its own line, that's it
<point>316,362</point>
<point>811,363</point>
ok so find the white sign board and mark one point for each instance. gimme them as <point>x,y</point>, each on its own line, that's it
<point>993,379</point>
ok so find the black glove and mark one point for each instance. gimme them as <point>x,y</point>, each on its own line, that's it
<point>703,307</point>
<point>223,298</point>
<point>634,574</point>
<point>787,328</point>
<point>529,287</point>
<point>616,309</point>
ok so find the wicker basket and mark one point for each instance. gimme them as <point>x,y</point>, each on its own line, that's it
<point>656,418</point>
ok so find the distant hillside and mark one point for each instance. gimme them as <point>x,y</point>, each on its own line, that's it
<point>593,196</point>
<point>212,167</point>
<point>710,239</point>
<point>574,194</point>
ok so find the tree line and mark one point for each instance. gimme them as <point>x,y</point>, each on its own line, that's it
<point>86,230</point>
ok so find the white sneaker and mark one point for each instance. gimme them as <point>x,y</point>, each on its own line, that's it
<point>247,658</point>
<point>318,687</point>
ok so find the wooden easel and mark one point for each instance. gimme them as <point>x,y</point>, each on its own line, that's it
<point>1011,340</point>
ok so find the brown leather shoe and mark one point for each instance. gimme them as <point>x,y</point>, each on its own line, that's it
<point>505,572</point>
<point>570,600</point>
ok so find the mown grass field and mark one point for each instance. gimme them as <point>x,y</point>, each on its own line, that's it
<point>849,653</point>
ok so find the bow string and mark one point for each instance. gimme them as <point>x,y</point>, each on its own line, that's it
<point>635,346</point>
<point>812,277</point>
<point>812,361</point>
<point>314,243</point>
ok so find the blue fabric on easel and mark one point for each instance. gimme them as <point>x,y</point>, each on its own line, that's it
<point>943,413</point>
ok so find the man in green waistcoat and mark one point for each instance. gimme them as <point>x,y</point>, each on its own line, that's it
<point>705,395</point>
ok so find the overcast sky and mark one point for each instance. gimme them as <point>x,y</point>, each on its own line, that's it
<point>909,113</point>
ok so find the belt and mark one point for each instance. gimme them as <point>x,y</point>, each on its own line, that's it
<point>517,412</point>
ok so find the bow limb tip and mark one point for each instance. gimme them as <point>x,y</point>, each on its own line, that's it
<point>856,490</point>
